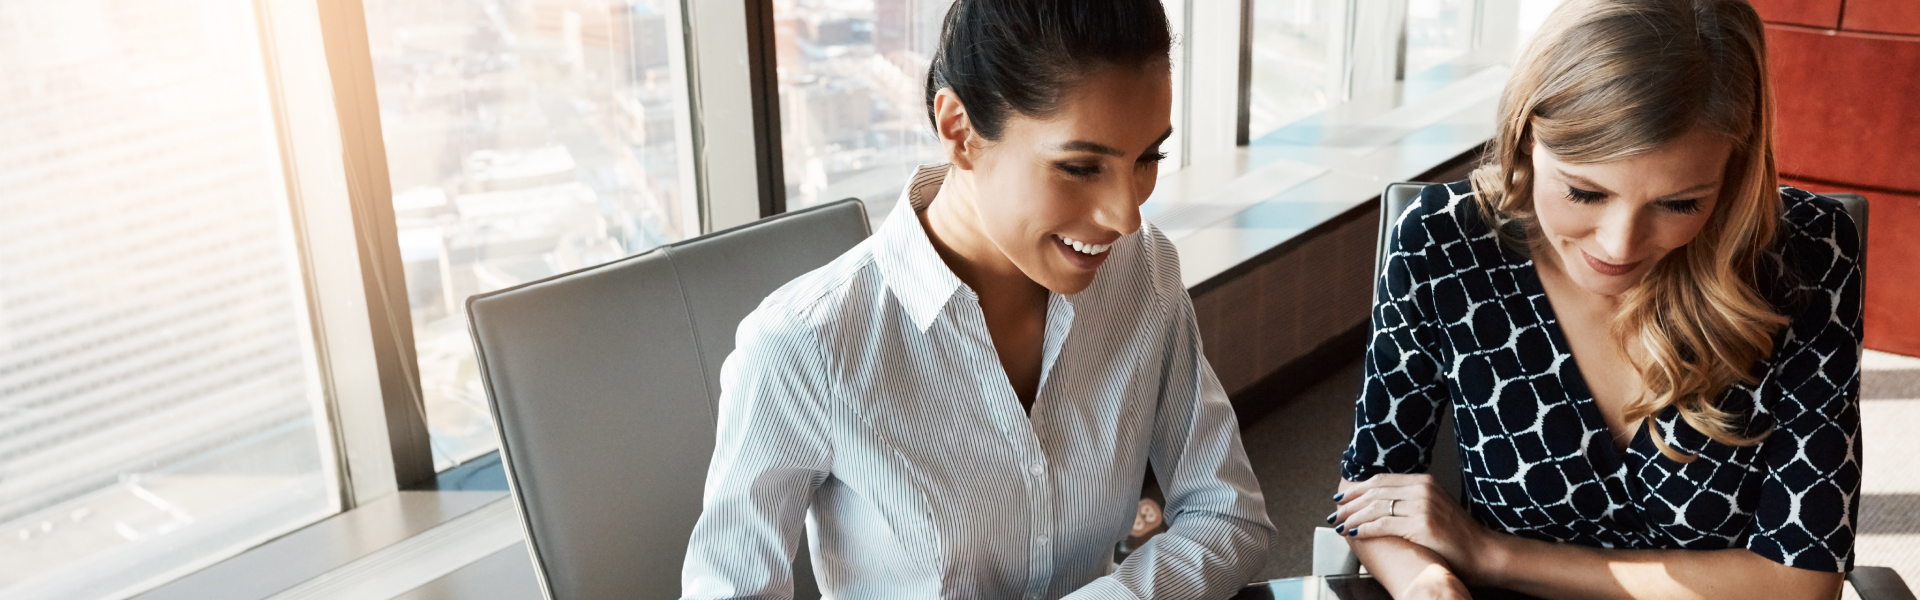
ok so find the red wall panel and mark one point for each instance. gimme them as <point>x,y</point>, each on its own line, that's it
<point>1812,13</point>
<point>1849,120</point>
<point>1847,107</point>
<point>1885,16</point>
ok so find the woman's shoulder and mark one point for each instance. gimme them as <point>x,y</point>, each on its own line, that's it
<point>1807,218</point>
<point>1441,214</point>
<point>801,310</point>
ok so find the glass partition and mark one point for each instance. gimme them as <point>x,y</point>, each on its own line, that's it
<point>525,138</point>
<point>159,404</point>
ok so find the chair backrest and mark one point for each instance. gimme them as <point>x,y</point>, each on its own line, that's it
<point>603,384</point>
<point>1393,202</point>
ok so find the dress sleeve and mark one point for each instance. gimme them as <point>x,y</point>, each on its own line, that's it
<point>1810,498</point>
<point>1403,390</point>
<point>1218,535</point>
<point>771,449</point>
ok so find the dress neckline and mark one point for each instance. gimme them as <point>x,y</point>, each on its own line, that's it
<point>1608,458</point>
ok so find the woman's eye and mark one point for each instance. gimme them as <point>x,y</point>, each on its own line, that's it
<point>1152,158</point>
<point>1685,207</point>
<point>1082,171</point>
<point>1583,196</point>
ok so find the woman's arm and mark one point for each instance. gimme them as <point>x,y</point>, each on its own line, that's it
<point>1571,571</point>
<point>1397,517</point>
<point>771,449</point>
<point>1218,533</point>
<point>1397,416</point>
<point>1407,570</point>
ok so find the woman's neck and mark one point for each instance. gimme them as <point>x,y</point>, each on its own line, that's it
<point>954,227</point>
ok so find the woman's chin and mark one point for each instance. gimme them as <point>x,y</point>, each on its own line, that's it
<point>1066,281</point>
<point>1609,285</point>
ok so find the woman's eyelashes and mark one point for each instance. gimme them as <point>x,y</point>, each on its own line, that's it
<point>1078,170</point>
<point>1583,196</point>
<point>1685,207</point>
<point>1088,171</point>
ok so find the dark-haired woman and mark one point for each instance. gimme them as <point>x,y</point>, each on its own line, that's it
<point>964,405</point>
<point>1650,349</point>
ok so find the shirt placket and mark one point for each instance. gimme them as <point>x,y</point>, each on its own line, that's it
<point>1039,484</point>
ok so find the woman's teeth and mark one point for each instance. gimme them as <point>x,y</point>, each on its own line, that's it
<point>1083,247</point>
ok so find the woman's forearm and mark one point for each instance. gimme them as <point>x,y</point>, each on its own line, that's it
<point>1551,570</point>
<point>1397,563</point>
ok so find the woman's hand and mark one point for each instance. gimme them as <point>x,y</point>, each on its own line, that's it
<point>1414,508</point>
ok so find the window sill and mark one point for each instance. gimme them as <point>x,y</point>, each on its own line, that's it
<point>1225,214</point>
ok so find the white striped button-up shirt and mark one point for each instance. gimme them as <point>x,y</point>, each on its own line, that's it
<point>865,401</point>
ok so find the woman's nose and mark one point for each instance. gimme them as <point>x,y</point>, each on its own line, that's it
<point>1620,235</point>
<point>1119,208</point>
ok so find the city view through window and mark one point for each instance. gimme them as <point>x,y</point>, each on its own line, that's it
<point>158,392</point>
<point>525,138</point>
<point>853,77</point>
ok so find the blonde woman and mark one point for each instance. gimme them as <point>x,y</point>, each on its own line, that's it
<point>1649,348</point>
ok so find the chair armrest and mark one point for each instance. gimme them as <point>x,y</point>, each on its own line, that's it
<point>1879,583</point>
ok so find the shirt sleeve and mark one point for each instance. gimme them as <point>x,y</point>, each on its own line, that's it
<point>1810,498</point>
<point>771,450</point>
<point>1218,534</point>
<point>1403,389</point>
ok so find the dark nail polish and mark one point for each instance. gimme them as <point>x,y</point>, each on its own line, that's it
<point>1330,518</point>
<point>1337,497</point>
<point>1340,529</point>
<point>1353,532</point>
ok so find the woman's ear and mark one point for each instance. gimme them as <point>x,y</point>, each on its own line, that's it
<point>954,129</point>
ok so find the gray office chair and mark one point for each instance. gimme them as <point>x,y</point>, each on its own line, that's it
<point>1872,583</point>
<point>604,381</point>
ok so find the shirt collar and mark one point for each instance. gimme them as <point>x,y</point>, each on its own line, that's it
<point>913,270</point>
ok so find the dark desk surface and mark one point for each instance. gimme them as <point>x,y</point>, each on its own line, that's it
<point>1343,587</point>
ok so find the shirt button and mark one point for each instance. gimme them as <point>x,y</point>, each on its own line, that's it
<point>1041,539</point>
<point>1037,470</point>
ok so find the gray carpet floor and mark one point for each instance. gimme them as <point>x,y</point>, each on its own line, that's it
<point>1295,451</point>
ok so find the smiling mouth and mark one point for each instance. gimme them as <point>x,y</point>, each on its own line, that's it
<point>1607,268</point>
<point>1083,247</point>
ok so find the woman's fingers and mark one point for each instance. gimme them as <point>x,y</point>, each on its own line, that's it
<point>1380,508</point>
<point>1404,525</point>
<point>1383,480</point>
<point>1353,503</point>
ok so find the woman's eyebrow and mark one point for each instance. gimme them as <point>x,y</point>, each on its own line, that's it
<point>1099,148</point>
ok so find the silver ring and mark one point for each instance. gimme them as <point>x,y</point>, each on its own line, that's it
<point>1390,505</point>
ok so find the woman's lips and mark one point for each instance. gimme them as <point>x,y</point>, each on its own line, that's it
<point>1607,268</point>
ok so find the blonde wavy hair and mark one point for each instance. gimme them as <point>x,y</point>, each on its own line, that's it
<point>1610,79</point>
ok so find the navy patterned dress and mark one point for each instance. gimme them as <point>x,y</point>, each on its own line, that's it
<point>1461,323</point>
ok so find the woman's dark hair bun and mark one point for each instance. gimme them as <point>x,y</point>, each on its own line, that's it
<point>1024,55</point>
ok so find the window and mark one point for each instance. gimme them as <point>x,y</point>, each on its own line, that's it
<point>1437,31</point>
<point>525,138</point>
<point>1292,78</point>
<point>853,80</point>
<point>1313,56</point>
<point>159,404</point>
